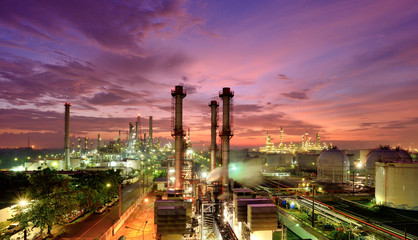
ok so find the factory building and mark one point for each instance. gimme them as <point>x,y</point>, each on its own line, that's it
<point>333,166</point>
<point>397,184</point>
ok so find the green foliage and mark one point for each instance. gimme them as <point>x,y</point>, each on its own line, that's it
<point>339,235</point>
<point>159,174</point>
<point>52,201</point>
<point>55,198</point>
<point>95,189</point>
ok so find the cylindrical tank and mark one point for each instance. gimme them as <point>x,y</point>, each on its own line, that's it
<point>384,154</point>
<point>397,184</point>
<point>333,166</point>
<point>67,136</point>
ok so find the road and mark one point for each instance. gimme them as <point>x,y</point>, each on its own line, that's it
<point>140,225</point>
<point>97,224</point>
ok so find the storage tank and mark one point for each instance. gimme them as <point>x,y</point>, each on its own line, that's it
<point>382,154</point>
<point>397,185</point>
<point>333,166</point>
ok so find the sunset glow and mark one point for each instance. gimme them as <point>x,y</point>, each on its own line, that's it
<point>345,69</point>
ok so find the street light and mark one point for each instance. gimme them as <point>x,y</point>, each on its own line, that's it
<point>142,230</point>
<point>358,167</point>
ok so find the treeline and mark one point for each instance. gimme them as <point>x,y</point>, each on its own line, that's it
<point>54,199</point>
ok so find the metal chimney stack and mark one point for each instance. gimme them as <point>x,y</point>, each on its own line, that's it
<point>99,141</point>
<point>67,136</point>
<point>226,95</point>
<point>214,125</point>
<point>178,94</point>
<point>150,131</point>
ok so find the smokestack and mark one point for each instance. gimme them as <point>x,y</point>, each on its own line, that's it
<point>67,136</point>
<point>214,125</point>
<point>138,133</point>
<point>99,141</point>
<point>226,95</point>
<point>281,136</point>
<point>150,131</point>
<point>178,94</point>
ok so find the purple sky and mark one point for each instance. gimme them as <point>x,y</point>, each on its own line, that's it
<point>345,69</point>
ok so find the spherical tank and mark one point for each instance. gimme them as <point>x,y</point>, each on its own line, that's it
<point>404,155</point>
<point>384,154</point>
<point>333,166</point>
<point>397,185</point>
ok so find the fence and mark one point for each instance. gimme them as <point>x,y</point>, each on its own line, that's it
<point>119,223</point>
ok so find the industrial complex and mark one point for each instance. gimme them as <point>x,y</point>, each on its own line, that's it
<point>304,190</point>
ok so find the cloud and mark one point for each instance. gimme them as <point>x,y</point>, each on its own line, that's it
<point>282,77</point>
<point>111,25</point>
<point>296,95</point>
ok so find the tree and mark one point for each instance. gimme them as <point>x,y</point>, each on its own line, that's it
<point>94,189</point>
<point>52,201</point>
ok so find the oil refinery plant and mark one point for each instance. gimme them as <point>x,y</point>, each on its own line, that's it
<point>310,190</point>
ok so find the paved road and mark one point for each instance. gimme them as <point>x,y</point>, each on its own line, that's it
<point>140,224</point>
<point>97,224</point>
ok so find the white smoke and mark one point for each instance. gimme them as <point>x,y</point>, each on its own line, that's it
<point>245,173</point>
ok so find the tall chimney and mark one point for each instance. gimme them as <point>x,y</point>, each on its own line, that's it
<point>99,141</point>
<point>214,125</point>
<point>138,133</point>
<point>67,137</point>
<point>150,131</point>
<point>281,136</point>
<point>226,134</point>
<point>178,94</point>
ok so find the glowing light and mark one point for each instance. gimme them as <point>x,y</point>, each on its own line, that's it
<point>359,165</point>
<point>23,202</point>
<point>204,174</point>
<point>108,185</point>
<point>146,200</point>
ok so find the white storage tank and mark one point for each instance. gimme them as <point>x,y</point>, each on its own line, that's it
<point>333,166</point>
<point>397,185</point>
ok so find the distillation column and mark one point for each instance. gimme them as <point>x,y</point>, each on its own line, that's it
<point>150,132</point>
<point>178,94</point>
<point>226,134</point>
<point>67,136</point>
<point>214,125</point>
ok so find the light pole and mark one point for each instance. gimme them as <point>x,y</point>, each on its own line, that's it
<point>142,230</point>
<point>358,166</point>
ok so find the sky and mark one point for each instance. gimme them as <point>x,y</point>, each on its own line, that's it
<point>345,69</point>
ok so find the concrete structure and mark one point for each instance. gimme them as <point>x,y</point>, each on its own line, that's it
<point>178,94</point>
<point>214,125</point>
<point>226,134</point>
<point>333,166</point>
<point>67,137</point>
<point>397,184</point>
